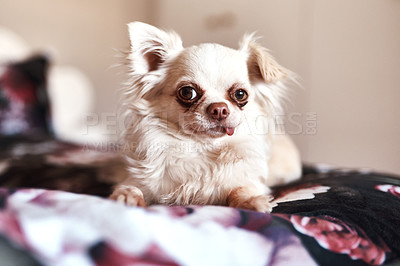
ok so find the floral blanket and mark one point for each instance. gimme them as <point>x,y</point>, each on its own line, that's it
<point>329,217</point>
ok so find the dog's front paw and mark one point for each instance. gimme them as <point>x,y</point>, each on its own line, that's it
<point>261,203</point>
<point>128,195</point>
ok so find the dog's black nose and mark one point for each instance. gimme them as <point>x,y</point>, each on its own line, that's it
<point>218,111</point>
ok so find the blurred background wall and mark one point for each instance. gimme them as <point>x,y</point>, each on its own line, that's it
<point>347,54</point>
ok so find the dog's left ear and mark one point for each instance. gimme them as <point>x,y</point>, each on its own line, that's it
<point>150,47</point>
<point>261,65</point>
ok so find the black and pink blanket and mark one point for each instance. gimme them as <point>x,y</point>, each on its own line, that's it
<point>53,211</point>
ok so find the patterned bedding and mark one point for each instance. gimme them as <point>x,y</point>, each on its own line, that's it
<point>53,211</point>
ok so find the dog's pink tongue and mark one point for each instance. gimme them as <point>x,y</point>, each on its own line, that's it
<point>230,130</point>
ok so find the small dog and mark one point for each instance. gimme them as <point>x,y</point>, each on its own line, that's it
<point>200,129</point>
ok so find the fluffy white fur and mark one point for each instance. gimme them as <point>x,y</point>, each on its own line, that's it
<point>178,153</point>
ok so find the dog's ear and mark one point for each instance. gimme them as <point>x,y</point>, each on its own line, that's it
<point>261,65</point>
<point>150,47</point>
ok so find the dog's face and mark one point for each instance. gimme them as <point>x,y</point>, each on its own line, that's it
<point>207,90</point>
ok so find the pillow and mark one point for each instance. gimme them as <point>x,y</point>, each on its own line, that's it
<point>24,103</point>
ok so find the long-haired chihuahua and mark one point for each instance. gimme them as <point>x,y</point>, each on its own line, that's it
<point>201,124</point>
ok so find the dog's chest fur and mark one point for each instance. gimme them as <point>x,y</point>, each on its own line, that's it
<point>188,172</point>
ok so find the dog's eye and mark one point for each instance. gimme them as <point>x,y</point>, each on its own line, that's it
<point>187,93</point>
<point>240,95</point>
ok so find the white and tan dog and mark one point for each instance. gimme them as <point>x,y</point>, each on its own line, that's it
<point>201,125</point>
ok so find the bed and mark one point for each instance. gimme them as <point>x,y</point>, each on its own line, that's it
<point>54,211</point>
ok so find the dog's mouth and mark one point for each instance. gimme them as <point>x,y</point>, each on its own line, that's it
<point>220,131</point>
<point>202,127</point>
<point>215,132</point>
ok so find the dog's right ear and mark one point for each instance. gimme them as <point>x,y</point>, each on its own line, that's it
<point>150,47</point>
